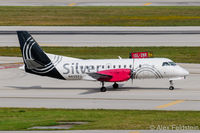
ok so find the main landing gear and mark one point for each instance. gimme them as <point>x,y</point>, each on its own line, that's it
<point>171,85</point>
<point>115,85</point>
<point>104,89</point>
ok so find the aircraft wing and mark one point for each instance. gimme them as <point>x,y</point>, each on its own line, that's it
<point>100,77</point>
<point>112,75</point>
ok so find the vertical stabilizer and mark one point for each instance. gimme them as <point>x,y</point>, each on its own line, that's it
<point>35,59</point>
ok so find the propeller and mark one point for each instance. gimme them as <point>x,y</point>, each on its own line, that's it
<point>132,75</point>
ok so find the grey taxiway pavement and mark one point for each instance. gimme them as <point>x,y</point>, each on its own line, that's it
<point>104,36</point>
<point>99,3</point>
<point>19,89</point>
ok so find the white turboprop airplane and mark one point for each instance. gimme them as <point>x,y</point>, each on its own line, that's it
<point>104,70</point>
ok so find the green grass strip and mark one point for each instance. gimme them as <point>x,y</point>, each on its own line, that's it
<point>100,16</point>
<point>177,54</point>
<point>23,118</point>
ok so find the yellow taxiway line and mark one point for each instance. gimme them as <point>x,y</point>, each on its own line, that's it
<point>146,4</point>
<point>134,132</point>
<point>169,104</point>
<point>72,4</point>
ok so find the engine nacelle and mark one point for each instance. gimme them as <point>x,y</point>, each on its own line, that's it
<point>117,75</point>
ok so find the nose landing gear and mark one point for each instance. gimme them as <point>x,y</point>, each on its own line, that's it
<point>171,85</point>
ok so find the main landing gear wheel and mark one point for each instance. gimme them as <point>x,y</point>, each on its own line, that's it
<point>103,89</point>
<point>115,85</point>
<point>171,85</point>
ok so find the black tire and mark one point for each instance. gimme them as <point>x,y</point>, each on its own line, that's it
<point>115,85</point>
<point>171,88</point>
<point>103,89</point>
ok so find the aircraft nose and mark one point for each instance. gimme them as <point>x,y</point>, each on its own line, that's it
<point>181,71</point>
<point>184,72</point>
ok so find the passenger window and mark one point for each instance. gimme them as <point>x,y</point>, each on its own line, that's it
<point>119,66</point>
<point>103,66</point>
<point>114,66</point>
<point>130,66</point>
<point>124,66</point>
<point>165,64</point>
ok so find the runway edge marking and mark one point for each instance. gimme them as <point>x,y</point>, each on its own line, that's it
<point>169,104</point>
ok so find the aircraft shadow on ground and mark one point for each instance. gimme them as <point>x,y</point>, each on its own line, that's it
<point>89,90</point>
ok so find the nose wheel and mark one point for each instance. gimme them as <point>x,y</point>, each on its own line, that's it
<point>115,85</point>
<point>103,89</point>
<point>171,85</point>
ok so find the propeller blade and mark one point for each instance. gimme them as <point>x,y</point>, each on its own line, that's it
<point>132,75</point>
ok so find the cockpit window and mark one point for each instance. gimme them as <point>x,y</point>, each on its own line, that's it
<point>172,63</point>
<point>165,64</point>
<point>169,64</point>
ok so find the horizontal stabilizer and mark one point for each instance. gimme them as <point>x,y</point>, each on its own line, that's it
<point>32,64</point>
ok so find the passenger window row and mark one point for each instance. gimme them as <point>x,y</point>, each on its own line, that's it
<point>115,66</point>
